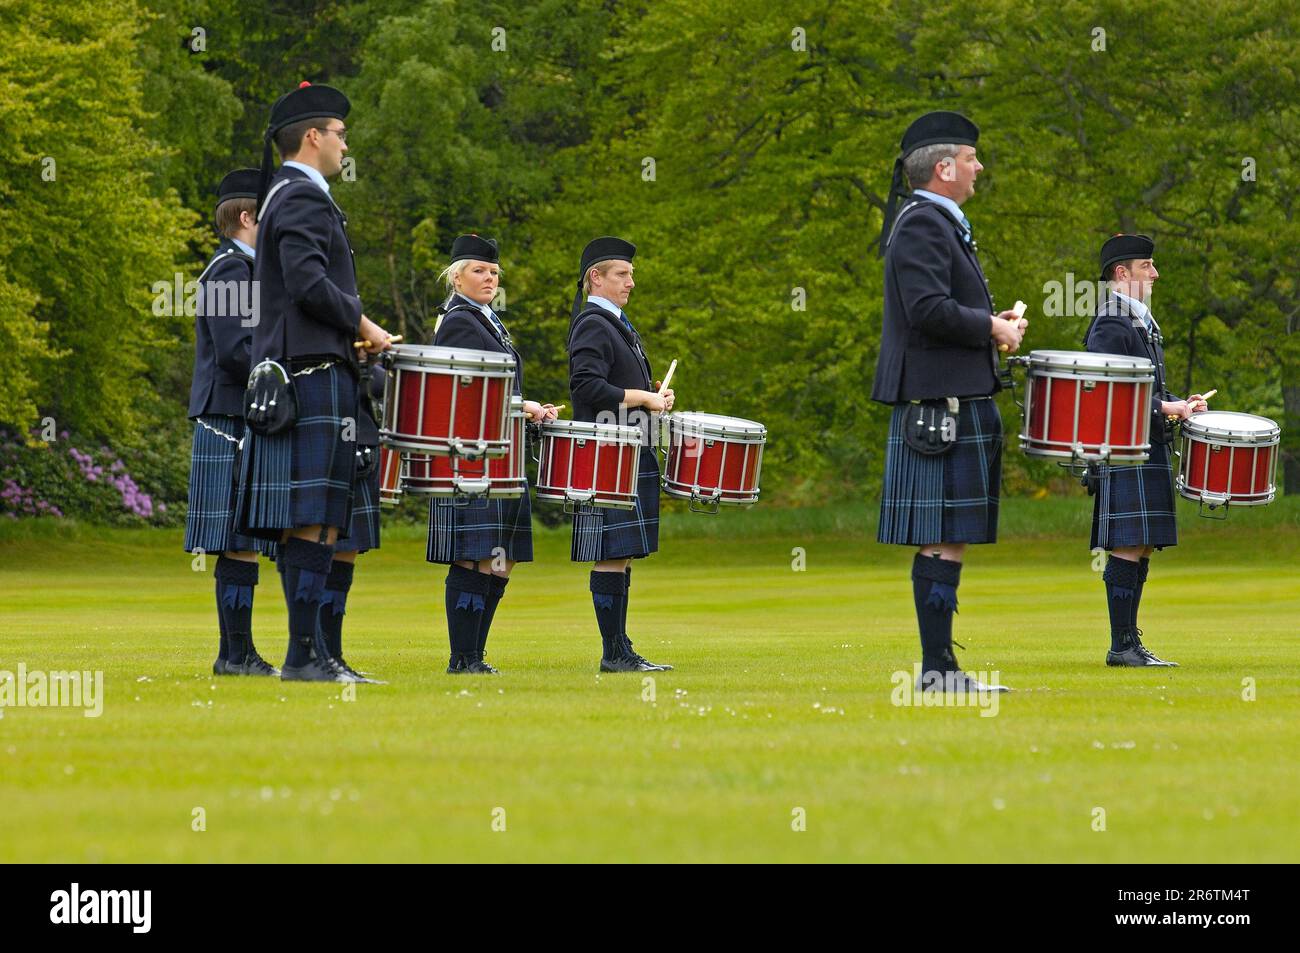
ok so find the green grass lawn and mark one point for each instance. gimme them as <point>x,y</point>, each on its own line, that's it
<point>780,700</point>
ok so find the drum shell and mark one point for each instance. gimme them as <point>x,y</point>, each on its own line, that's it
<point>1086,411</point>
<point>447,401</point>
<point>713,463</point>
<point>390,476</point>
<point>444,476</point>
<point>588,463</point>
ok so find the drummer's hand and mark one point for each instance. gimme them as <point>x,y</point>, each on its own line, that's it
<point>1176,408</point>
<point>644,398</point>
<point>1007,329</point>
<point>669,397</point>
<point>537,412</point>
<point>376,338</point>
<point>1197,403</point>
<point>550,411</point>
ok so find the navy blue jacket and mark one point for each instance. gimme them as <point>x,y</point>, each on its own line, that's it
<point>221,340</point>
<point>936,337</point>
<point>605,359</point>
<point>1117,330</point>
<point>465,325</point>
<point>308,282</point>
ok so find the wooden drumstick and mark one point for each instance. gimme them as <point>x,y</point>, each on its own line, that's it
<point>668,377</point>
<point>1019,310</point>
<point>395,339</point>
<point>1205,397</point>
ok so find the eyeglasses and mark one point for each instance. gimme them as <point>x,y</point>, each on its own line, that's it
<point>341,133</point>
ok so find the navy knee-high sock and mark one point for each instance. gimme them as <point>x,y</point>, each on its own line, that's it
<point>1144,564</point>
<point>236,581</point>
<point>306,567</point>
<point>467,593</point>
<point>627,597</point>
<point>496,590</point>
<point>609,598</point>
<point>333,604</point>
<point>223,649</point>
<point>1121,578</point>
<point>934,590</point>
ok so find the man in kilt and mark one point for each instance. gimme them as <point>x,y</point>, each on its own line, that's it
<point>222,335</point>
<point>479,540</point>
<point>1133,510</point>
<point>609,375</point>
<point>938,353</point>
<point>296,485</point>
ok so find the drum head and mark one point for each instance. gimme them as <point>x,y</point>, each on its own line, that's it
<point>717,425</point>
<point>586,429</point>
<point>1088,362</point>
<point>1226,423</point>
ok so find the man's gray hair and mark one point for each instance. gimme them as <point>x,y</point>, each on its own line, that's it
<point>919,166</point>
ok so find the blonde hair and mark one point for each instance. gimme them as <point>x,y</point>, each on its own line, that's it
<point>602,269</point>
<point>452,271</point>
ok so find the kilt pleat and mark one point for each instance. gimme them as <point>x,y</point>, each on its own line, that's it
<point>1134,505</point>
<point>209,523</point>
<point>610,533</point>
<point>480,529</point>
<point>947,498</point>
<point>303,476</point>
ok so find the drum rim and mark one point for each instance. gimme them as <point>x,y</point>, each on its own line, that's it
<point>755,429</point>
<point>429,354</point>
<point>1127,361</point>
<point>590,428</point>
<point>1193,428</point>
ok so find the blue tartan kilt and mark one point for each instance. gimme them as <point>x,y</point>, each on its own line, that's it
<point>303,476</point>
<point>610,533</point>
<point>480,529</point>
<point>209,523</point>
<point>1134,505</point>
<point>364,534</point>
<point>950,497</point>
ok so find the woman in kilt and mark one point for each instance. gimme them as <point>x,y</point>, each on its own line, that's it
<point>1133,511</point>
<point>480,541</point>
<point>222,336</point>
<point>609,375</point>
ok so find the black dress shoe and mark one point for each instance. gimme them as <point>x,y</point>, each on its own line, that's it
<point>316,670</point>
<point>943,674</point>
<point>628,652</point>
<point>456,665</point>
<point>628,664</point>
<point>219,668</point>
<point>253,664</point>
<point>364,677</point>
<point>1133,654</point>
<point>474,665</point>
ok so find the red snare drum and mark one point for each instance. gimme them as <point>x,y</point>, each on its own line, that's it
<point>714,459</point>
<point>1088,407</point>
<point>390,476</point>
<point>1228,459</point>
<point>502,477</point>
<point>581,462</point>
<point>443,400</point>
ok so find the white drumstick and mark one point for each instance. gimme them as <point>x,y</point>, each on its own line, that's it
<point>1019,311</point>
<point>668,377</point>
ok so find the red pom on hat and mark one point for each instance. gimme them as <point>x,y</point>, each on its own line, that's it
<point>303,83</point>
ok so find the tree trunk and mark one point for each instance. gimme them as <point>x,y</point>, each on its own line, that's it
<point>1291,429</point>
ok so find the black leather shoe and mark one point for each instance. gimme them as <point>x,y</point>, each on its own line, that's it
<point>219,668</point>
<point>1133,654</point>
<point>628,664</point>
<point>253,664</point>
<point>316,670</point>
<point>456,665</point>
<point>954,682</point>
<point>363,677</point>
<point>628,652</point>
<point>474,665</point>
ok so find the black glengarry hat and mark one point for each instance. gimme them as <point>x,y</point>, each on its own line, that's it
<point>606,248</point>
<point>239,184</point>
<point>473,247</point>
<point>306,102</point>
<point>928,130</point>
<point>1125,248</point>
